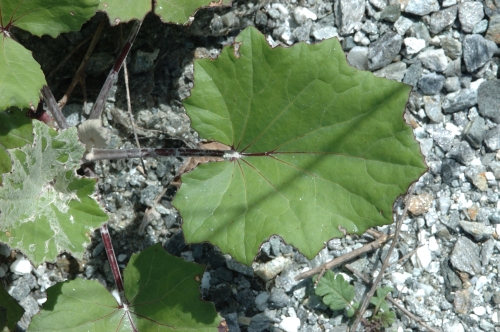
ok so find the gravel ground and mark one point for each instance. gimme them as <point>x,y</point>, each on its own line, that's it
<point>447,50</point>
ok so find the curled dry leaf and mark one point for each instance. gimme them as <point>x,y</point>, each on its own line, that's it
<point>92,134</point>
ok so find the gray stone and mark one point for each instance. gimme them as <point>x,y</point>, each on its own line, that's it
<point>384,50</point>
<point>149,194</point>
<point>260,19</point>
<point>301,33</point>
<point>461,152</point>
<point>421,7</point>
<point>492,138</point>
<point>278,298</point>
<point>494,218</point>
<point>465,256</point>
<point>347,14</point>
<point>238,267</point>
<point>402,24</point>
<point>481,27</point>
<point>454,68</point>
<point>20,290</point>
<point>369,27</point>
<point>416,307</point>
<point>358,57</point>
<point>442,19</point>
<point>452,47</point>
<point>459,100</point>
<point>73,114</point>
<point>477,51</point>
<point>99,63</point>
<point>488,99</point>
<point>469,14</point>
<point>492,7</point>
<point>394,71</point>
<point>433,108</point>
<point>324,32</point>
<point>434,60</point>
<point>380,4</point>
<point>452,84</point>
<point>413,73</point>
<point>391,13</point>
<point>474,132</point>
<point>232,322</point>
<point>442,137</point>
<point>493,32</point>
<point>451,280</point>
<point>420,31</point>
<point>487,252</point>
<point>142,61</point>
<point>478,230</point>
<point>431,83</point>
<point>259,323</point>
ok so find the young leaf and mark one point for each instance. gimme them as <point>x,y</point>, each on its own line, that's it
<point>15,131</point>
<point>163,292</point>
<point>170,11</point>
<point>45,208</point>
<point>323,148</point>
<point>336,292</point>
<point>21,77</point>
<point>379,300</point>
<point>10,311</point>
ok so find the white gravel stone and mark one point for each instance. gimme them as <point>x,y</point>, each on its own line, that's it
<point>21,265</point>
<point>302,14</point>
<point>424,256</point>
<point>414,45</point>
<point>290,324</point>
<point>433,245</point>
<point>205,281</point>
<point>479,310</point>
<point>434,60</point>
<point>399,278</point>
<point>402,24</point>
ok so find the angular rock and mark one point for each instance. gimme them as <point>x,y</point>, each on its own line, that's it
<point>259,322</point>
<point>480,27</point>
<point>347,14</point>
<point>452,47</point>
<point>413,73</point>
<point>488,99</point>
<point>384,50</point>
<point>442,19</point>
<point>462,152</point>
<point>272,268</point>
<point>391,13</point>
<point>421,7</point>
<point>454,68</point>
<point>420,31</point>
<point>493,32</point>
<point>380,4</point>
<point>452,84</point>
<point>431,84</point>
<point>460,100</point>
<point>474,132</point>
<point>461,302</point>
<point>469,14</point>
<point>451,280</point>
<point>478,230</point>
<point>492,138</point>
<point>414,45</point>
<point>434,60</point>
<point>358,57</point>
<point>278,298</point>
<point>432,106</point>
<point>487,252</point>
<point>465,256</point>
<point>324,33</point>
<point>402,24</point>
<point>420,204</point>
<point>394,71</point>
<point>477,51</point>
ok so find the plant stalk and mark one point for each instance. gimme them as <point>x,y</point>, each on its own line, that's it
<point>112,154</point>
<point>113,74</point>
<point>113,263</point>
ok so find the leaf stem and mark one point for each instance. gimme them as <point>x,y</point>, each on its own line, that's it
<point>110,252</point>
<point>112,154</point>
<point>113,74</point>
<point>51,103</point>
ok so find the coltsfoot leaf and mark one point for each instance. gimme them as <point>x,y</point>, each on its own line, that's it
<point>163,292</point>
<point>45,208</point>
<point>323,147</point>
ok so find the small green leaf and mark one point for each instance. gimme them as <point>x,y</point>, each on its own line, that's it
<point>10,311</point>
<point>15,131</point>
<point>169,11</point>
<point>379,300</point>
<point>385,318</point>
<point>46,17</point>
<point>163,292</point>
<point>45,208</point>
<point>324,147</point>
<point>21,77</point>
<point>336,292</point>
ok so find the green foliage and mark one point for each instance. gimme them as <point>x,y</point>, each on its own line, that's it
<point>169,11</point>
<point>15,131</point>
<point>324,147</point>
<point>338,294</point>
<point>10,311</point>
<point>21,77</point>
<point>163,292</point>
<point>46,208</point>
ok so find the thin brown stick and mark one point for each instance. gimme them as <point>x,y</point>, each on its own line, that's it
<point>129,109</point>
<point>385,264</point>
<point>389,298</point>
<point>80,70</point>
<point>51,103</point>
<point>345,258</point>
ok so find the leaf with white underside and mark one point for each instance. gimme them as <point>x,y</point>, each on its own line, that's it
<point>324,147</point>
<point>45,208</point>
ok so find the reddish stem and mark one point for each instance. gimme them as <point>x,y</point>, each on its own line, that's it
<point>110,252</point>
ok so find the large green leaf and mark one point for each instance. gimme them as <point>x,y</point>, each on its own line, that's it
<point>10,311</point>
<point>170,11</point>
<point>15,131</point>
<point>163,292</point>
<point>45,208</point>
<point>21,77</point>
<point>323,147</point>
<point>336,292</point>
